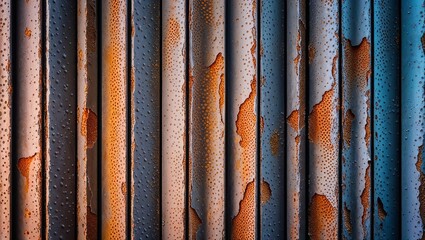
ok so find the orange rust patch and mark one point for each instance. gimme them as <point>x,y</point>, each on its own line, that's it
<point>91,225</point>
<point>266,192</point>
<point>348,121</point>
<point>221,91</point>
<point>311,54</point>
<point>293,120</point>
<point>321,120</point>
<point>27,213</point>
<point>27,32</point>
<point>357,63</point>
<point>422,184</point>
<point>381,210</point>
<point>246,129</point>
<point>173,31</point>
<point>274,142</point>
<point>365,197</point>
<point>80,58</point>
<point>195,223</point>
<point>334,66</point>
<point>367,129</point>
<point>347,219</point>
<point>123,188</point>
<point>323,218</point>
<point>243,226</point>
<point>24,165</point>
<point>261,124</point>
<point>89,127</point>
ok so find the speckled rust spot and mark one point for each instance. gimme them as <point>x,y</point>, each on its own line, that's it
<point>293,120</point>
<point>173,29</point>
<point>24,165</point>
<point>348,122</point>
<point>347,219</point>
<point>91,225</point>
<point>311,54</point>
<point>27,32</point>
<point>266,192</point>
<point>422,184</point>
<point>246,129</point>
<point>124,189</point>
<point>367,130</point>
<point>27,213</point>
<point>321,120</point>
<point>243,225</point>
<point>365,197</point>
<point>323,220</point>
<point>89,127</point>
<point>275,142</point>
<point>357,64</point>
<point>195,223</point>
<point>381,210</point>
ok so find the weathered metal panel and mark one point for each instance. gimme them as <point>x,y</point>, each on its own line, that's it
<point>242,129</point>
<point>174,130</point>
<point>356,119</point>
<point>27,144</point>
<point>61,118</point>
<point>323,128</point>
<point>145,96</point>
<point>296,138</point>
<point>413,121</point>
<point>87,119</point>
<point>206,119</point>
<point>114,119</point>
<point>272,109</point>
<point>5,120</point>
<point>386,120</point>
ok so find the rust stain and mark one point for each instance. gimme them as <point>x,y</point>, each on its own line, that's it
<point>89,127</point>
<point>123,188</point>
<point>266,192</point>
<point>246,129</point>
<point>274,142</point>
<point>261,124</point>
<point>311,53</point>
<point>348,121</point>
<point>381,210</point>
<point>367,126</point>
<point>27,213</point>
<point>243,223</point>
<point>91,224</point>
<point>24,167</point>
<point>80,58</point>
<point>357,63</point>
<point>323,218</point>
<point>293,120</point>
<point>335,66</point>
<point>91,27</point>
<point>221,92</point>
<point>422,184</point>
<point>195,222</point>
<point>321,120</point>
<point>347,219</point>
<point>27,32</point>
<point>365,197</point>
<point>423,41</point>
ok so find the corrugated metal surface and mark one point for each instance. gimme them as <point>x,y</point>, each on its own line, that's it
<point>212,119</point>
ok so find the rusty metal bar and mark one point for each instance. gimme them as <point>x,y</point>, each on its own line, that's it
<point>27,144</point>
<point>5,120</point>
<point>323,128</point>
<point>272,109</point>
<point>206,119</point>
<point>174,119</point>
<point>356,119</point>
<point>114,140</point>
<point>61,118</point>
<point>386,120</point>
<point>296,118</point>
<point>145,119</point>
<point>242,158</point>
<point>87,119</point>
<point>413,119</point>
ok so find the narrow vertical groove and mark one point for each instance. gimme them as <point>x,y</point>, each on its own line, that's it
<point>99,106</point>
<point>130,121</point>
<point>258,212</point>
<point>372,114</point>
<point>27,142</point>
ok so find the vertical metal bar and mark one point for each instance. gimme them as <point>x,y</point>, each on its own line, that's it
<point>386,124</point>
<point>146,119</point>
<point>296,119</point>
<point>272,109</point>
<point>87,113</point>
<point>27,143</point>
<point>114,120</point>
<point>206,120</point>
<point>61,116</point>
<point>174,119</point>
<point>413,119</point>
<point>241,52</point>
<point>5,119</point>
<point>356,119</point>
<point>323,130</point>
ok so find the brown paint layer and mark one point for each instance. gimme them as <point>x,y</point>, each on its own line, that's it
<point>421,195</point>
<point>195,223</point>
<point>24,167</point>
<point>381,210</point>
<point>266,192</point>
<point>347,219</point>
<point>293,120</point>
<point>89,127</point>
<point>275,143</point>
